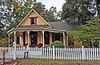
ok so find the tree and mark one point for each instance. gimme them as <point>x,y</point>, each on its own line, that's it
<point>51,15</point>
<point>1,29</point>
<point>18,9</point>
<point>88,32</point>
<point>98,7</point>
<point>39,7</point>
<point>78,10</point>
<point>3,16</point>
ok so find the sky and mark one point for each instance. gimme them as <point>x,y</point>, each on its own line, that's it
<point>56,3</point>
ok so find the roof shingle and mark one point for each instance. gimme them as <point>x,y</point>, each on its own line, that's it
<point>63,26</point>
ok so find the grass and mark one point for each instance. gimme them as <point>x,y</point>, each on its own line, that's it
<point>55,62</point>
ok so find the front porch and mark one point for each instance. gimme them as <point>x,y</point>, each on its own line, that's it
<point>35,37</point>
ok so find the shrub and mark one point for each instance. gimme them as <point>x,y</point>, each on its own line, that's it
<point>71,46</point>
<point>57,44</point>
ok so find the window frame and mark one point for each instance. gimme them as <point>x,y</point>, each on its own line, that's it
<point>35,20</point>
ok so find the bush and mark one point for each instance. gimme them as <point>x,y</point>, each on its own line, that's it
<point>57,44</point>
<point>71,46</point>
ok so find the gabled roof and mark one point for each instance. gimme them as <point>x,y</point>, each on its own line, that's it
<point>27,16</point>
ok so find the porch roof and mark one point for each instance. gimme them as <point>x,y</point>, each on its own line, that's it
<point>21,29</point>
<point>35,26</point>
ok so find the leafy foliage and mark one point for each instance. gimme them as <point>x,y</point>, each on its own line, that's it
<point>51,14</point>
<point>57,44</point>
<point>88,32</point>
<point>3,42</point>
<point>98,7</point>
<point>77,11</point>
<point>39,7</point>
<point>2,18</point>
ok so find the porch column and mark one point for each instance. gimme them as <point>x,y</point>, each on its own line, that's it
<point>8,38</point>
<point>43,37</point>
<point>14,44</point>
<point>15,36</point>
<point>28,32</point>
<point>64,39</point>
<point>67,41</point>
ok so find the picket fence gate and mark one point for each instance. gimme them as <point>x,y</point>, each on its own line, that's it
<point>54,53</point>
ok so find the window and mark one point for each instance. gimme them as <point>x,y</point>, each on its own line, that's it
<point>33,20</point>
<point>18,39</point>
<point>57,37</point>
<point>46,36</point>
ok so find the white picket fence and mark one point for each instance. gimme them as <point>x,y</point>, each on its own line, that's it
<point>55,53</point>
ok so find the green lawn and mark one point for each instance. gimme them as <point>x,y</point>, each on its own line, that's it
<point>55,62</point>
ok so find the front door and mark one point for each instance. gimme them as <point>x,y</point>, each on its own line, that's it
<point>33,36</point>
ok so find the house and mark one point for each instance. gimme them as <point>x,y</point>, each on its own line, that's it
<point>33,30</point>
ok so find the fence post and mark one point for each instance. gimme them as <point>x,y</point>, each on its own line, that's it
<point>14,45</point>
<point>53,52</point>
<point>27,47</point>
<point>83,53</point>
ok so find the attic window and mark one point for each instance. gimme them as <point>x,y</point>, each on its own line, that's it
<point>33,20</point>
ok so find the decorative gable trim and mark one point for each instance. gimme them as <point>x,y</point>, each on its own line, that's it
<point>27,16</point>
